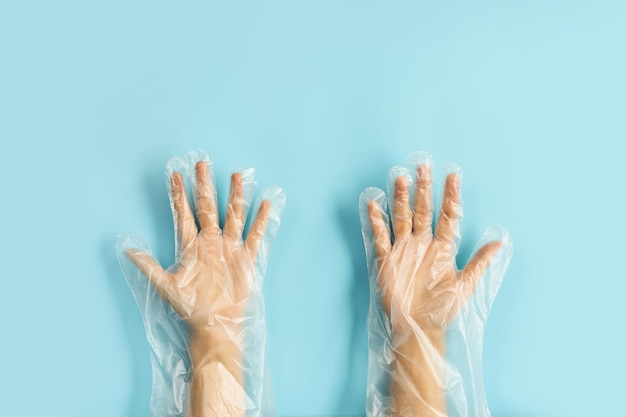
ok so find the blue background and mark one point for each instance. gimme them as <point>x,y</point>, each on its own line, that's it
<point>322,98</point>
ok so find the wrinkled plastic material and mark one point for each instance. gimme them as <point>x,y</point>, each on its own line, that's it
<point>167,334</point>
<point>462,361</point>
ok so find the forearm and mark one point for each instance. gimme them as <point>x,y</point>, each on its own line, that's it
<point>417,380</point>
<point>217,383</point>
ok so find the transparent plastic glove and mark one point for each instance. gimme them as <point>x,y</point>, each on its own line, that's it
<point>427,319</point>
<point>204,315</point>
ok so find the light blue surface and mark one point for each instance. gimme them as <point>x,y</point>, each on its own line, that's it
<point>322,98</point>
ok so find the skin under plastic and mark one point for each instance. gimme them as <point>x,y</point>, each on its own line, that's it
<point>427,319</point>
<point>204,315</point>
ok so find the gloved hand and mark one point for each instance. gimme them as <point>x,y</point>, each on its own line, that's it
<point>215,290</point>
<point>419,295</point>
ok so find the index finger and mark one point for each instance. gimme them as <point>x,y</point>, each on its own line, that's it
<point>257,230</point>
<point>206,207</point>
<point>184,220</point>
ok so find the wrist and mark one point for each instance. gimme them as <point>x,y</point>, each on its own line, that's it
<point>418,336</point>
<point>217,375</point>
<point>209,344</point>
<point>417,383</point>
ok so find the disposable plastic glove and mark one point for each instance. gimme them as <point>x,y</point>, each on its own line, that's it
<point>427,318</point>
<point>215,317</point>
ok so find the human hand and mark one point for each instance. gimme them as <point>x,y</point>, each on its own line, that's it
<point>420,287</point>
<point>215,289</point>
<point>420,291</point>
<point>210,283</point>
